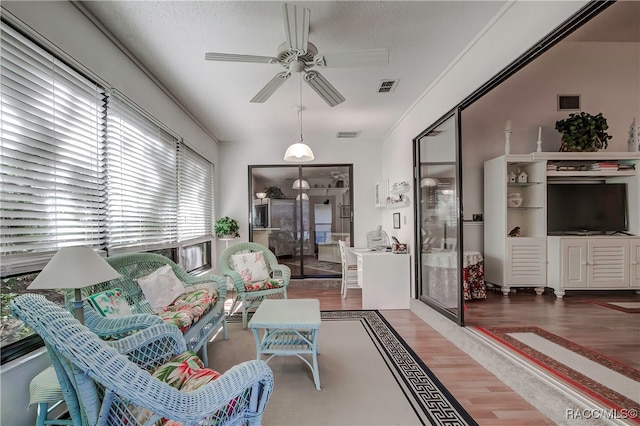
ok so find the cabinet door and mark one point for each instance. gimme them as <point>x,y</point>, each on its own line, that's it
<point>574,267</point>
<point>608,263</point>
<point>634,253</point>
<point>526,261</point>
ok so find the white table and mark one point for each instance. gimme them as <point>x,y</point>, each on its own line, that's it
<point>384,278</point>
<point>290,328</point>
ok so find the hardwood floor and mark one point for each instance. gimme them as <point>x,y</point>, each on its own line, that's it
<point>485,397</point>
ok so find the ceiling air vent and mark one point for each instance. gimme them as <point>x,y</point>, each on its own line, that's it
<point>387,86</point>
<point>568,102</point>
<point>348,135</point>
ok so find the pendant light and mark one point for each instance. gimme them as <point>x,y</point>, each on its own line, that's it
<point>300,184</point>
<point>299,152</point>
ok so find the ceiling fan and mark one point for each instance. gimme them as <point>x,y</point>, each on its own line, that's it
<point>298,55</point>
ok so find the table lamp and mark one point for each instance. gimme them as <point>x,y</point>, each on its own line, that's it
<point>74,267</point>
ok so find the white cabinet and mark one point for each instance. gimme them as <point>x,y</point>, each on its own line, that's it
<point>593,263</point>
<point>515,261</point>
<point>531,258</point>
<point>384,278</point>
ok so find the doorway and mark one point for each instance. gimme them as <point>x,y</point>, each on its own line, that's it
<point>300,213</point>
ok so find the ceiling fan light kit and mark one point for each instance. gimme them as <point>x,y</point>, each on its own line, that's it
<point>298,55</point>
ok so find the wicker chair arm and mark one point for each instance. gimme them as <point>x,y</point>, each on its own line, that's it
<point>119,327</point>
<point>282,271</point>
<point>236,278</point>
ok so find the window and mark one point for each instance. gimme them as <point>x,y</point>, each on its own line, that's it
<point>80,165</point>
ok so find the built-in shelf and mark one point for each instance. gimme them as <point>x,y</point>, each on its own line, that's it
<point>590,173</point>
<point>523,183</point>
<point>524,208</point>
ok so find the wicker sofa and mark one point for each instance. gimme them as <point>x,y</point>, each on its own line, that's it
<point>133,266</point>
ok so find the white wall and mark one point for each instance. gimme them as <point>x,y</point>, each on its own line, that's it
<point>364,155</point>
<point>517,27</point>
<point>604,74</point>
<point>70,31</point>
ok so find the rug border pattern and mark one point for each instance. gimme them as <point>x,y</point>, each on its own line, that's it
<point>610,305</point>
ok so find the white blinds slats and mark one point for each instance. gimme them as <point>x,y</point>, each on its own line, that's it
<point>52,185</point>
<point>141,175</point>
<point>195,195</point>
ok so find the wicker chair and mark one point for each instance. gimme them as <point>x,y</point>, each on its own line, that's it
<point>108,383</point>
<point>252,299</point>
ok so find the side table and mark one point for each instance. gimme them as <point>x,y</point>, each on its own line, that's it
<point>290,327</point>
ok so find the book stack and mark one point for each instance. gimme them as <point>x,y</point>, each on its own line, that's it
<point>604,165</point>
<point>626,166</point>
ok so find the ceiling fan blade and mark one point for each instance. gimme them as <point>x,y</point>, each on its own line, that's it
<point>271,87</point>
<point>296,26</point>
<point>323,88</point>
<point>232,57</point>
<point>358,58</point>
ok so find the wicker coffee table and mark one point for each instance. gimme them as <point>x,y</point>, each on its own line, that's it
<point>290,327</point>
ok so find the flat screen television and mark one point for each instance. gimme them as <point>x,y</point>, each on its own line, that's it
<point>586,208</point>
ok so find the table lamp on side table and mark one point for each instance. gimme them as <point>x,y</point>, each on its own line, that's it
<point>74,267</point>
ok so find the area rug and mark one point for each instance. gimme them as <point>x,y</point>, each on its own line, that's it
<point>624,306</point>
<point>368,375</point>
<point>614,384</point>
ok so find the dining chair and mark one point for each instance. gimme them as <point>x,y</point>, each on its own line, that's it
<point>349,268</point>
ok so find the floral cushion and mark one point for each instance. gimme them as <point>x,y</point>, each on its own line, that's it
<point>263,285</point>
<point>161,287</point>
<point>110,303</point>
<point>251,266</point>
<point>188,308</point>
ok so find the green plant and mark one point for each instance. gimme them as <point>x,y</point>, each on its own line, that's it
<point>226,226</point>
<point>274,192</point>
<point>583,132</point>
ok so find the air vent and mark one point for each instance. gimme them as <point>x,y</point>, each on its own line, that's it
<point>348,135</point>
<point>387,86</point>
<point>568,102</point>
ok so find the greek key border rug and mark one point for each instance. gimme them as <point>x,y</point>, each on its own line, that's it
<point>430,400</point>
<point>622,306</point>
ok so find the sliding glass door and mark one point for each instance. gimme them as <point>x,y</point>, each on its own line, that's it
<point>438,216</point>
<point>300,213</point>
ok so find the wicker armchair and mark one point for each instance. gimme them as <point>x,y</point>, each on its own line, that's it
<point>109,383</point>
<point>252,299</point>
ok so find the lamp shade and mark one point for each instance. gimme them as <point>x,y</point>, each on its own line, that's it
<point>298,153</point>
<point>261,195</point>
<point>427,182</point>
<point>302,196</point>
<point>74,267</point>
<point>300,184</point>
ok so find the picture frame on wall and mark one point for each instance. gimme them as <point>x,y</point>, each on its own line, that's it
<point>396,221</point>
<point>345,211</point>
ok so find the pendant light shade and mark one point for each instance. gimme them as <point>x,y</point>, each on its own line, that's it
<point>300,184</point>
<point>302,196</point>
<point>299,153</point>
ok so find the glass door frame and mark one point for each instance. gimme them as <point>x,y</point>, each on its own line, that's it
<point>456,316</point>
<point>299,233</point>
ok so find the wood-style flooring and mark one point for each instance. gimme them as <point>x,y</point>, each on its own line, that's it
<point>489,401</point>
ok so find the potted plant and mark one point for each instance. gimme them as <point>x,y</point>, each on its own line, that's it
<point>583,132</point>
<point>274,192</point>
<point>227,228</point>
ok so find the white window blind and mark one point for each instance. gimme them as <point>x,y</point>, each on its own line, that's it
<point>51,176</point>
<point>195,195</point>
<point>141,175</point>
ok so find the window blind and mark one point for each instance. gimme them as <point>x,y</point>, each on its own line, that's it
<point>142,180</point>
<point>52,188</point>
<point>195,195</point>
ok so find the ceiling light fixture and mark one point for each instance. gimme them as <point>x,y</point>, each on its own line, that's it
<point>300,184</point>
<point>299,152</point>
<point>302,196</point>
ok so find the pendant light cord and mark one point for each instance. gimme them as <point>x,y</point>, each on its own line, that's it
<point>300,110</point>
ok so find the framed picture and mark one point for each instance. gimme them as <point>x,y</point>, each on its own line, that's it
<point>345,210</point>
<point>396,221</point>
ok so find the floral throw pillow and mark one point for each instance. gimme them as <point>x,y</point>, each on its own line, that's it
<point>251,266</point>
<point>110,303</point>
<point>161,287</point>
<point>263,285</point>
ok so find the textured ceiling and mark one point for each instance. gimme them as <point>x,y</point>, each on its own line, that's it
<point>170,38</point>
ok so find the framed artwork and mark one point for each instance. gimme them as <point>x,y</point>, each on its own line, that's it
<point>396,221</point>
<point>345,210</point>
